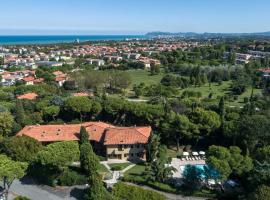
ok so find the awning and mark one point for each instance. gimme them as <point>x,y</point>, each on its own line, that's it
<point>185,153</point>
<point>202,153</point>
<point>195,153</point>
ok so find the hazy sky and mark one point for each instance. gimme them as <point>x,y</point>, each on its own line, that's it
<point>132,16</point>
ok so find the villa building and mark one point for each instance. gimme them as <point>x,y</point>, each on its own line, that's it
<point>124,143</point>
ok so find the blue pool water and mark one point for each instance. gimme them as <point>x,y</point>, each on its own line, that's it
<point>205,171</point>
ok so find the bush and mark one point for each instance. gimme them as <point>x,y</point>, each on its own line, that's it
<point>21,198</point>
<point>122,191</point>
<point>101,158</point>
<point>70,178</point>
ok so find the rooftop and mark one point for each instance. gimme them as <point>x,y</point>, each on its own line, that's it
<point>98,131</point>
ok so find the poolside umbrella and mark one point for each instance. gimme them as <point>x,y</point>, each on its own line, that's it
<point>195,153</point>
<point>185,153</point>
<point>202,153</point>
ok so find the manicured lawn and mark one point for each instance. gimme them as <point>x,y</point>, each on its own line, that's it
<point>144,76</point>
<point>120,166</point>
<point>136,170</point>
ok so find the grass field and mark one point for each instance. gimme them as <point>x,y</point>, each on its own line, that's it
<point>217,90</point>
<point>144,76</point>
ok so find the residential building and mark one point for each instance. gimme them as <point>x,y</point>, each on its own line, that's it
<point>96,62</point>
<point>28,96</point>
<point>123,143</point>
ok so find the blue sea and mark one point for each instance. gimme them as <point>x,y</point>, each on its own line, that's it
<point>52,39</point>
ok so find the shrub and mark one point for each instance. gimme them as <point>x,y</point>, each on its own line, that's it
<point>70,178</point>
<point>21,198</point>
<point>122,191</point>
<point>101,158</point>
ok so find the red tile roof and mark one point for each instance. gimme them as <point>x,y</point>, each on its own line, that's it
<point>98,131</point>
<point>127,135</point>
<point>29,96</point>
<point>81,94</point>
<point>264,70</point>
<point>28,78</point>
<point>39,80</point>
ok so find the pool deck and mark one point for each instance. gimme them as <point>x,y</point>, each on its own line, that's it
<point>178,165</point>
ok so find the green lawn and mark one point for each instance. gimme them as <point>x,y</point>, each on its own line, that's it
<point>144,76</point>
<point>136,170</point>
<point>119,166</point>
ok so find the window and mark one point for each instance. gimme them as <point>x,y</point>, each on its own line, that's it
<point>126,146</point>
<point>131,146</point>
<point>131,154</point>
<point>126,155</point>
<point>120,148</point>
<point>138,146</point>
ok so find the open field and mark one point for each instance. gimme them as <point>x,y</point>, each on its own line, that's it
<point>217,90</point>
<point>144,76</point>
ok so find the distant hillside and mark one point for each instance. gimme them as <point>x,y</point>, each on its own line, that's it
<point>193,34</point>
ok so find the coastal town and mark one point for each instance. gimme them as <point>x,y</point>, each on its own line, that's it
<point>134,100</point>
<point>29,58</point>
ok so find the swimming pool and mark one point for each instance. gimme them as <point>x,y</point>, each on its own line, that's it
<point>205,171</point>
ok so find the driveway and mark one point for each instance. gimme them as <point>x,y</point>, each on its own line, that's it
<point>29,189</point>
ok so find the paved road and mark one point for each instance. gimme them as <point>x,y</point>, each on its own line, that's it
<point>40,192</point>
<point>169,196</point>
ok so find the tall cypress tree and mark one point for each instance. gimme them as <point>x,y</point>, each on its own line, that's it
<point>222,111</point>
<point>89,160</point>
<point>19,113</point>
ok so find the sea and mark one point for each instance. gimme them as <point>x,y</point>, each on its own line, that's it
<point>53,39</point>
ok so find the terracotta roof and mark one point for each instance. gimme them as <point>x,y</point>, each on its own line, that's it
<point>39,80</point>
<point>58,73</point>
<point>127,135</point>
<point>60,78</point>
<point>264,70</point>
<point>52,133</point>
<point>28,78</point>
<point>81,94</point>
<point>98,131</point>
<point>30,96</point>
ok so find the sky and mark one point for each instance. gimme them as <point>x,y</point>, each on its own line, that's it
<point>37,17</point>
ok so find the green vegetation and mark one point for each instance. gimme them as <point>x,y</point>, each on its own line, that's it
<point>122,191</point>
<point>198,99</point>
<point>144,76</point>
<point>118,166</point>
<point>9,171</point>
